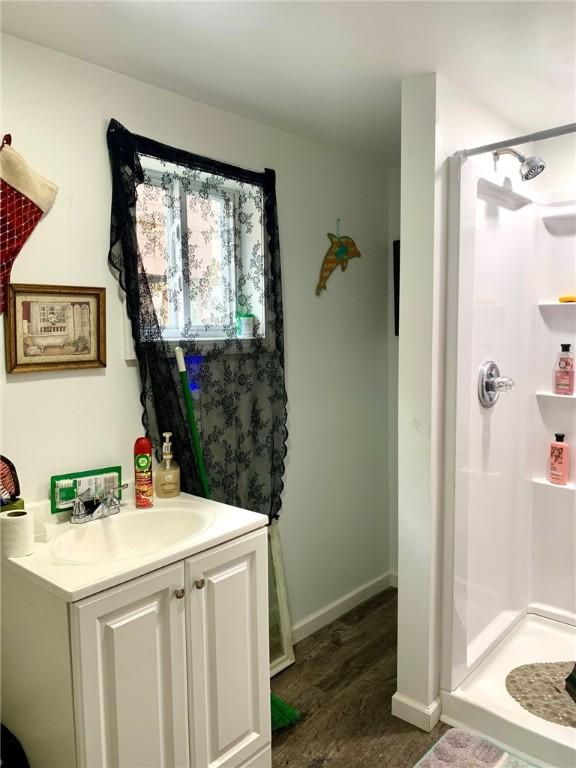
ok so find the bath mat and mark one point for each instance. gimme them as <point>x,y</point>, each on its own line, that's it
<point>541,689</point>
<point>460,749</point>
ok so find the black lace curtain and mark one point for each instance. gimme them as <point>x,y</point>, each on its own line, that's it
<point>237,379</point>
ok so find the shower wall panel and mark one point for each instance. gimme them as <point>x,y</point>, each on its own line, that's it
<point>553,560</point>
<point>492,494</point>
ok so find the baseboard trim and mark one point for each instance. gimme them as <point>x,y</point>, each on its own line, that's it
<point>423,716</point>
<point>315,621</point>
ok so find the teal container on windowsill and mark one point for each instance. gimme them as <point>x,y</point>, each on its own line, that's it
<point>245,325</point>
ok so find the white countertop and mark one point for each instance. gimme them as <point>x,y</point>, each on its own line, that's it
<point>74,581</point>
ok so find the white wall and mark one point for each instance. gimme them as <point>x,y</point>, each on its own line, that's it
<point>438,118</point>
<point>393,350</point>
<point>334,527</point>
<point>559,178</point>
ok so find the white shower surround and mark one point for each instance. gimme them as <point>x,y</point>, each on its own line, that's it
<point>513,539</point>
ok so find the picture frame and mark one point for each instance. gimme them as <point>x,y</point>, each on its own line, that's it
<point>54,327</point>
<point>396,259</point>
<point>279,622</point>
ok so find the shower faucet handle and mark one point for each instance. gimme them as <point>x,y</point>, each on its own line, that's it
<point>502,384</point>
<point>490,384</point>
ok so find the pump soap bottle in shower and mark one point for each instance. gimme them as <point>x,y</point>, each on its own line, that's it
<point>168,472</point>
<point>564,372</point>
<point>559,462</point>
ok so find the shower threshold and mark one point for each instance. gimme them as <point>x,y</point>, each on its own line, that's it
<point>483,704</point>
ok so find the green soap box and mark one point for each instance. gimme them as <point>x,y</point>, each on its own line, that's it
<point>65,488</point>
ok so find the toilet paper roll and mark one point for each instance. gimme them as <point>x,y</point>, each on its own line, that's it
<point>17,533</point>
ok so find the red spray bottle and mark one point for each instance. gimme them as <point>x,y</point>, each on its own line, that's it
<point>143,472</point>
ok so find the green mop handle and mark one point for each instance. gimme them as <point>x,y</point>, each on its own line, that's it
<point>196,445</point>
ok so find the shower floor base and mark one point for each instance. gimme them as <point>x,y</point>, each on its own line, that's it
<point>483,704</point>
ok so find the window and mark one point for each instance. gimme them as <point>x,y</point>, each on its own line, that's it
<point>52,319</point>
<point>201,239</point>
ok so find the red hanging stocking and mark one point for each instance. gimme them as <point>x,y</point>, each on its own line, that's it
<point>24,198</point>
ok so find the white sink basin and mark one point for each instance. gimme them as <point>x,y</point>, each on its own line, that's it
<point>130,534</point>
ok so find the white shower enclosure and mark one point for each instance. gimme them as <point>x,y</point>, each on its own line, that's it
<point>510,538</point>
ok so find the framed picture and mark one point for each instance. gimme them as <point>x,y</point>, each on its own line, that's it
<point>53,327</point>
<point>279,626</point>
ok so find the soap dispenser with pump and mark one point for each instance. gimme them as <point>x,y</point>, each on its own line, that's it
<point>168,472</point>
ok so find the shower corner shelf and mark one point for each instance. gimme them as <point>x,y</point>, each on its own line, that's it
<point>554,396</point>
<point>557,304</point>
<point>543,481</point>
<point>561,223</point>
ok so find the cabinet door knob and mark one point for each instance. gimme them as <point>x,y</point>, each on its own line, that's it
<point>179,593</point>
<point>200,582</point>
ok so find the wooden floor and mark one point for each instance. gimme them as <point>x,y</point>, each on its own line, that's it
<point>342,682</point>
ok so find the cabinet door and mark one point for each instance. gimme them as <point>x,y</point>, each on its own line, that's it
<point>129,668</point>
<point>229,688</point>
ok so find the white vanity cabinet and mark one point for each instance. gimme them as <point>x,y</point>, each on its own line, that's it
<point>129,674</point>
<point>228,652</point>
<point>168,670</point>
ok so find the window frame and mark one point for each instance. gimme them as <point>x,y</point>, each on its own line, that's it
<point>178,258</point>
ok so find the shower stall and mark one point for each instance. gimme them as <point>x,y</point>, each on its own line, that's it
<point>510,537</point>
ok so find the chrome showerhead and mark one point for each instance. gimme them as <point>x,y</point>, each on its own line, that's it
<point>530,166</point>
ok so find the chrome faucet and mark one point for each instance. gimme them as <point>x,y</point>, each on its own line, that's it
<point>490,384</point>
<point>94,508</point>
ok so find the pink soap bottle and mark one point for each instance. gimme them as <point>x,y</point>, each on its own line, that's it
<point>559,463</point>
<point>564,372</point>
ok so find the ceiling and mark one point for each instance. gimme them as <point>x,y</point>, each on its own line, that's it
<point>329,71</point>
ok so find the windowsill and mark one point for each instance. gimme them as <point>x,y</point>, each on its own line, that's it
<point>238,345</point>
<point>211,339</point>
